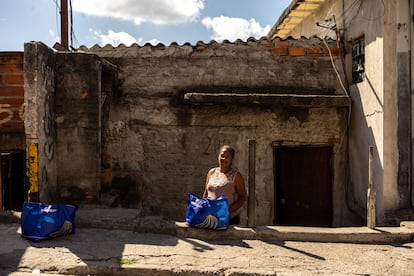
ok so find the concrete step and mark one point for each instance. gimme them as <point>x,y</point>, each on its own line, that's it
<point>129,219</point>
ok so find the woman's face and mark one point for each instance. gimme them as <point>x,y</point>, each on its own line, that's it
<point>225,159</point>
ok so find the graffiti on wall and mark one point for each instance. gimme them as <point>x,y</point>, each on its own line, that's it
<point>212,143</point>
<point>48,129</point>
<point>8,113</point>
<point>5,110</point>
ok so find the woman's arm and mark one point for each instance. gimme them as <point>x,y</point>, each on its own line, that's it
<point>240,190</point>
<point>205,194</point>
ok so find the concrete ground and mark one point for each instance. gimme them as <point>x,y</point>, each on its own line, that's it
<point>119,242</point>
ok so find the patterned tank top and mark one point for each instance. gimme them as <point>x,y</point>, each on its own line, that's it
<point>222,184</point>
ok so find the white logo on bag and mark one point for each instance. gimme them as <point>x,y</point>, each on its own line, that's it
<point>196,204</point>
<point>48,209</point>
<point>209,222</point>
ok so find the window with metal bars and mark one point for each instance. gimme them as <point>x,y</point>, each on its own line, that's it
<point>358,60</point>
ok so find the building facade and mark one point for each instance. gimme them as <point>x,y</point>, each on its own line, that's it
<point>140,126</point>
<point>376,41</point>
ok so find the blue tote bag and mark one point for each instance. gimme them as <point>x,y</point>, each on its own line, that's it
<point>208,213</point>
<point>41,221</point>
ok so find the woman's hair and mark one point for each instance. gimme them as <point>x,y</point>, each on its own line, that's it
<point>229,149</point>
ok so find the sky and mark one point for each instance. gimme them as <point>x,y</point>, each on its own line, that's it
<point>136,21</point>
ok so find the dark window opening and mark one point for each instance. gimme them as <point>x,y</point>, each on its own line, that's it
<point>358,61</point>
<point>12,175</point>
<point>303,192</point>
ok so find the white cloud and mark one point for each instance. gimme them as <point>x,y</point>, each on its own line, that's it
<point>54,37</point>
<point>155,11</point>
<point>153,42</point>
<point>234,28</point>
<point>114,38</point>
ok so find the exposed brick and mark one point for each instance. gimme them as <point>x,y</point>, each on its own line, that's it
<point>13,102</point>
<point>335,51</point>
<point>296,51</point>
<point>5,91</point>
<point>11,79</point>
<point>267,44</point>
<point>11,58</point>
<point>12,126</point>
<point>282,43</point>
<point>11,68</point>
<point>316,51</point>
<point>282,51</point>
<point>16,91</point>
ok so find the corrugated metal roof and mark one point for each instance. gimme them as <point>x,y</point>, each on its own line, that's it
<point>293,15</point>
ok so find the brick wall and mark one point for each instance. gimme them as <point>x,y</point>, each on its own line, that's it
<point>11,92</point>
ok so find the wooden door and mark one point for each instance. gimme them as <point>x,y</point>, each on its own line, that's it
<point>303,192</point>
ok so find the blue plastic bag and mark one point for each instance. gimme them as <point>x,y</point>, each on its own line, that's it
<point>208,213</point>
<point>41,221</point>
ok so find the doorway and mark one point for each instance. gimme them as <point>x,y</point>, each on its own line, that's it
<point>303,189</point>
<point>12,175</point>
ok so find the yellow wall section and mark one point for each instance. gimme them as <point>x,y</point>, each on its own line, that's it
<point>33,168</point>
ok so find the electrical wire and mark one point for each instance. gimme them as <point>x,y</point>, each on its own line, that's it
<point>74,43</point>
<point>71,24</point>
<point>57,16</point>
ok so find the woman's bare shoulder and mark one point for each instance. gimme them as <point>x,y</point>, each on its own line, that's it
<point>211,171</point>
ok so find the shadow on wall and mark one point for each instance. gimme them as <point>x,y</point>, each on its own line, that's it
<point>122,191</point>
<point>361,137</point>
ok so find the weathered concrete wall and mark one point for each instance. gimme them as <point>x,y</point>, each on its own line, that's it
<point>39,100</point>
<point>11,101</point>
<point>400,39</point>
<point>163,146</point>
<point>381,104</point>
<point>78,124</point>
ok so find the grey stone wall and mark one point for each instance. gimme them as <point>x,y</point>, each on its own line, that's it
<point>159,146</point>
<point>78,121</point>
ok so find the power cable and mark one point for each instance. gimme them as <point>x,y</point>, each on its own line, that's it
<point>71,24</point>
<point>57,16</point>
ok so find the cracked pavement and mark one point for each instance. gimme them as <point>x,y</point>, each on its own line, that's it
<point>120,252</point>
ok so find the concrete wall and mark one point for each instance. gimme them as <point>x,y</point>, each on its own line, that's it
<point>65,98</point>
<point>39,89</point>
<point>381,103</point>
<point>78,123</point>
<point>158,146</point>
<point>401,39</point>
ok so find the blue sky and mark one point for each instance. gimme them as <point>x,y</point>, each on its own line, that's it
<point>137,21</point>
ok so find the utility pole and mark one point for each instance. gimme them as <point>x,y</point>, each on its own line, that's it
<point>64,24</point>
